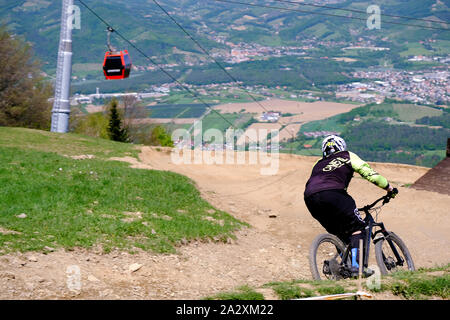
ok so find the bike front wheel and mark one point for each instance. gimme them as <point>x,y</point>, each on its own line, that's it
<point>325,257</point>
<point>392,255</point>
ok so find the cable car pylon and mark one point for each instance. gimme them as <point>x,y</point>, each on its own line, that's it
<point>61,104</point>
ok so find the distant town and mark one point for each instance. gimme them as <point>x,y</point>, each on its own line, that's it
<point>429,86</point>
<point>426,87</point>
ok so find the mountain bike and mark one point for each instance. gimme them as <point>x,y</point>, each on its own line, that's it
<point>330,258</point>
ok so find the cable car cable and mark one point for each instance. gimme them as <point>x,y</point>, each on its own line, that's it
<point>270,7</point>
<point>325,14</point>
<point>359,11</point>
<point>155,64</point>
<point>215,61</point>
<point>165,72</point>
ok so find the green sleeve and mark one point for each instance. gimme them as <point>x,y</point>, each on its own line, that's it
<point>367,172</point>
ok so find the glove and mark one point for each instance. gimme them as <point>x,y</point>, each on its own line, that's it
<point>392,193</point>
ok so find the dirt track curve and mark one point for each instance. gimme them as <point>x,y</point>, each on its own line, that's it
<point>275,248</point>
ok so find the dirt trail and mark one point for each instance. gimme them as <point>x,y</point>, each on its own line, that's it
<point>420,217</point>
<point>275,248</point>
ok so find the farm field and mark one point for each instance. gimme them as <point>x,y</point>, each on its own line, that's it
<point>177,110</point>
<point>298,113</point>
<point>410,112</point>
<point>241,115</point>
<point>256,128</point>
<point>289,132</point>
<point>309,110</point>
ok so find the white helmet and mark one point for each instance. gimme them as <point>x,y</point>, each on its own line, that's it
<point>332,144</point>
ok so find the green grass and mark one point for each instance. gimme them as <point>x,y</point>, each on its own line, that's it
<point>331,289</point>
<point>418,285</point>
<point>64,144</point>
<point>401,112</point>
<point>212,98</point>
<point>286,291</point>
<point>411,112</point>
<point>329,124</point>
<point>415,49</point>
<point>84,203</point>
<point>177,110</point>
<point>216,121</point>
<point>84,69</point>
<point>422,284</point>
<point>418,288</point>
<point>241,293</point>
<point>244,120</point>
<point>442,47</point>
<point>297,289</point>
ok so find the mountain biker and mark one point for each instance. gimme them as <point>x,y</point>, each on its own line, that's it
<point>327,199</point>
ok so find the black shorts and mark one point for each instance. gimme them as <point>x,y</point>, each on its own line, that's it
<point>336,211</point>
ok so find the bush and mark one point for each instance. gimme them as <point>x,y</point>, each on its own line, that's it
<point>94,125</point>
<point>161,137</point>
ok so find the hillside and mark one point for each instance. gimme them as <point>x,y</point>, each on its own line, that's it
<point>274,248</point>
<point>141,21</point>
<point>392,131</point>
<point>220,27</point>
<point>63,188</point>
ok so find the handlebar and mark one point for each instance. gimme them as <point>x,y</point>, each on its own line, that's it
<point>385,199</point>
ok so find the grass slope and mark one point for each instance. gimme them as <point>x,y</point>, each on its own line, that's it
<point>51,200</point>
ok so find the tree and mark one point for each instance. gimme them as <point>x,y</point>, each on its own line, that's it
<point>24,93</point>
<point>160,137</point>
<point>116,131</point>
<point>133,112</point>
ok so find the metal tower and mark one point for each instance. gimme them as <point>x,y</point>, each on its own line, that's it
<point>61,104</point>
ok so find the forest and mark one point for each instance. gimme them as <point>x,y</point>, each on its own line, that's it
<point>377,141</point>
<point>393,131</point>
<point>442,121</point>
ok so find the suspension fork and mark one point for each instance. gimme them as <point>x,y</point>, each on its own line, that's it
<point>399,261</point>
<point>391,244</point>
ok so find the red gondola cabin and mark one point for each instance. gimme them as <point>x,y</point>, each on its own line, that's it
<point>117,65</point>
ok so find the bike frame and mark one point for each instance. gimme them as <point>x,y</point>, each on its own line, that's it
<point>370,235</point>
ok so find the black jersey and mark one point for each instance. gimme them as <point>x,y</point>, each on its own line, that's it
<point>336,171</point>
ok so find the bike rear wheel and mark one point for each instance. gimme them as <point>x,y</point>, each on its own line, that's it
<point>392,255</point>
<point>325,257</point>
